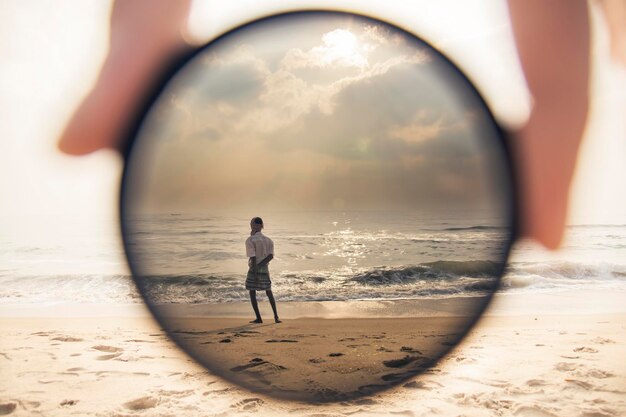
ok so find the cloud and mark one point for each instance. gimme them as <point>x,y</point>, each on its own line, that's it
<point>235,91</point>
<point>420,129</point>
<point>340,48</point>
<point>285,97</point>
<point>308,128</point>
<point>368,115</point>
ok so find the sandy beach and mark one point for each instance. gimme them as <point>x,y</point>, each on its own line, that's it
<point>513,363</point>
<point>318,360</point>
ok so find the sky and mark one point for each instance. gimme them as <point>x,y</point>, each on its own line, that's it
<point>50,53</point>
<point>317,112</point>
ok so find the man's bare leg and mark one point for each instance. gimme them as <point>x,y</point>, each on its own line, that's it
<point>270,296</point>
<point>255,307</point>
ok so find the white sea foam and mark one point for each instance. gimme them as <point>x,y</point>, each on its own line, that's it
<point>335,256</point>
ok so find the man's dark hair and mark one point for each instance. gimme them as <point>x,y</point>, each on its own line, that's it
<point>257,220</point>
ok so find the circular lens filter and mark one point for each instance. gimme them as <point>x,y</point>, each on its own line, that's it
<point>384,188</point>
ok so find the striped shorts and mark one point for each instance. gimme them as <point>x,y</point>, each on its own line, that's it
<point>262,283</point>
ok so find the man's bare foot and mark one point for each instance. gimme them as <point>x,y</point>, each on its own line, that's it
<point>257,321</point>
<point>277,320</point>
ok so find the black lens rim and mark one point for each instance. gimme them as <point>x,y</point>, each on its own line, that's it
<point>176,63</point>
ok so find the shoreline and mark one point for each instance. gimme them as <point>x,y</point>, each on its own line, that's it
<point>571,302</point>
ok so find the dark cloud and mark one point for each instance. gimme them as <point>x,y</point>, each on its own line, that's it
<point>366,112</point>
<point>234,84</point>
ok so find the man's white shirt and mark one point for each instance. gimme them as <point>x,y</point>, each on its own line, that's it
<point>260,246</point>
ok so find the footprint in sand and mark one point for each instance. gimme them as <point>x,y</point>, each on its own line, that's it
<point>371,388</point>
<point>416,385</point>
<point>248,404</point>
<point>582,384</point>
<point>407,413</point>
<point>599,374</point>
<point>395,377</point>
<point>255,363</point>
<point>399,363</point>
<point>281,341</point>
<point>365,401</point>
<point>410,350</point>
<point>602,341</point>
<point>67,339</point>
<point>586,349</point>
<point>219,391</point>
<point>68,403</point>
<point>176,394</point>
<point>108,349</point>
<point>107,357</point>
<point>465,359</point>
<point>190,332</point>
<point>335,354</point>
<point>536,382</point>
<point>327,394</point>
<point>42,334</point>
<point>245,333</point>
<point>7,408</point>
<point>48,381</point>
<point>142,403</point>
<point>565,366</point>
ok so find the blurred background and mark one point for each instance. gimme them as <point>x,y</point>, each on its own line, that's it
<point>50,55</point>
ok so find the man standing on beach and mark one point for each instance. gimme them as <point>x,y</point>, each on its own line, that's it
<point>260,251</point>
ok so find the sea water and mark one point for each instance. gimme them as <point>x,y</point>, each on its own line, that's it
<point>319,256</point>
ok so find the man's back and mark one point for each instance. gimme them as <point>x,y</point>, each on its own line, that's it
<point>260,246</point>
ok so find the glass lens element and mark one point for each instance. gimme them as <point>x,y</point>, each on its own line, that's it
<point>379,175</point>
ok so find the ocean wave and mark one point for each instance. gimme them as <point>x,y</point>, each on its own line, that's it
<point>439,279</point>
<point>562,275</point>
<point>477,268</point>
<point>434,279</point>
<point>456,229</point>
<point>79,288</point>
<point>438,270</point>
<point>596,226</point>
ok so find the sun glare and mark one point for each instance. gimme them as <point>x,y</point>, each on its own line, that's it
<point>341,47</point>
